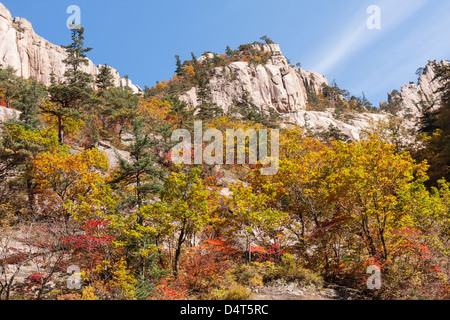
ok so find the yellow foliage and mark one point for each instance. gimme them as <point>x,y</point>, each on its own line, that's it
<point>190,72</point>
<point>62,176</point>
<point>89,294</point>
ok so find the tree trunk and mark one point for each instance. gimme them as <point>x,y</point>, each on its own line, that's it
<point>178,251</point>
<point>60,130</point>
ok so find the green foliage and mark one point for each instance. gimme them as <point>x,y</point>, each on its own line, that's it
<point>141,171</point>
<point>8,84</point>
<point>104,78</point>
<point>436,129</point>
<point>68,99</point>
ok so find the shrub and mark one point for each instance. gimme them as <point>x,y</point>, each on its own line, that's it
<point>235,292</point>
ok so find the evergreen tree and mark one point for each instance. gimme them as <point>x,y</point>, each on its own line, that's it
<point>180,70</point>
<point>229,52</point>
<point>8,84</point>
<point>76,58</point>
<point>435,122</point>
<point>29,97</point>
<point>104,79</point>
<point>68,99</point>
<point>53,81</point>
<point>121,106</point>
<point>141,171</point>
<point>180,110</point>
<point>208,111</point>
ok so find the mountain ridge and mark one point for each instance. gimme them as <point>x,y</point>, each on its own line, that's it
<point>275,85</point>
<point>34,57</point>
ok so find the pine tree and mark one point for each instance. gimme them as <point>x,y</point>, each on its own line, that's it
<point>121,107</point>
<point>180,110</point>
<point>104,79</point>
<point>76,58</point>
<point>180,70</point>
<point>435,122</point>
<point>229,52</point>
<point>68,99</point>
<point>29,97</point>
<point>141,171</point>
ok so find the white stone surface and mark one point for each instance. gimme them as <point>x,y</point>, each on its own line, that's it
<point>34,57</point>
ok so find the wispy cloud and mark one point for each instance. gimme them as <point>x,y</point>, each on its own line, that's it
<point>355,35</point>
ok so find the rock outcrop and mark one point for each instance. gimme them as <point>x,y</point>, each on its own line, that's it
<point>34,57</point>
<point>279,86</point>
<point>413,97</point>
<point>276,85</point>
<point>317,121</point>
<point>8,114</point>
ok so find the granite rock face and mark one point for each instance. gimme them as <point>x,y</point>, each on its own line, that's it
<point>8,114</point>
<point>413,97</point>
<point>318,121</point>
<point>279,86</point>
<point>276,85</point>
<point>34,57</point>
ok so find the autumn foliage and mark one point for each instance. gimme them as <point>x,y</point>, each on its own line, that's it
<point>140,227</point>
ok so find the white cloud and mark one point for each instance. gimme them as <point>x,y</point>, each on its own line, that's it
<point>355,35</point>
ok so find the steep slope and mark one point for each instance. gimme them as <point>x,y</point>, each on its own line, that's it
<point>413,97</point>
<point>275,85</point>
<point>279,86</point>
<point>34,57</point>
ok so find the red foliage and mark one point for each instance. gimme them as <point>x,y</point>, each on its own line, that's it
<point>92,244</point>
<point>32,282</point>
<point>168,290</point>
<point>206,263</point>
<point>262,254</point>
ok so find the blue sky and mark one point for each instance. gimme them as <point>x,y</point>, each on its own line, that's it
<point>141,37</point>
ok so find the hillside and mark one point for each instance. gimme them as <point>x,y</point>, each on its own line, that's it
<point>241,177</point>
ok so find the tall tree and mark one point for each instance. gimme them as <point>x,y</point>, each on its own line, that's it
<point>185,208</point>
<point>68,99</point>
<point>180,70</point>
<point>141,171</point>
<point>104,79</point>
<point>436,125</point>
<point>121,107</point>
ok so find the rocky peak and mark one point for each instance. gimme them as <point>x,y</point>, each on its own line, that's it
<point>413,97</point>
<point>34,57</point>
<point>276,85</point>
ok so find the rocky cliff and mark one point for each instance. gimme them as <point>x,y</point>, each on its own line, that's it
<point>279,86</point>
<point>413,97</point>
<point>34,57</point>
<point>275,85</point>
